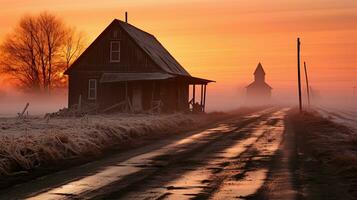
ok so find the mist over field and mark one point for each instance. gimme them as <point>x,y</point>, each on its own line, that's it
<point>13,101</point>
<point>220,97</point>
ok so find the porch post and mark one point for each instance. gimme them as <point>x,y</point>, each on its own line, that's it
<point>194,94</point>
<point>204,98</point>
<point>201,95</point>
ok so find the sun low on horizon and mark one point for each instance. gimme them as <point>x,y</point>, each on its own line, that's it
<point>225,40</point>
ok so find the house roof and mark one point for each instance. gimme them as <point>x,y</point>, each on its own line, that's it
<point>259,69</point>
<point>150,45</point>
<point>154,49</point>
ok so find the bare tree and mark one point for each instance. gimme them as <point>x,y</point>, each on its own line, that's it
<point>73,47</point>
<point>39,50</point>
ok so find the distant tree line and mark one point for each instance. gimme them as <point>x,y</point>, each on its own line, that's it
<point>38,51</point>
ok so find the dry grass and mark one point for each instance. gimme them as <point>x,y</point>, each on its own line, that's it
<point>332,144</point>
<point>24,145</point>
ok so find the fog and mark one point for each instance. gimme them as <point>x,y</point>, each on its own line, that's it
<point>13,102</point>
<point>235,97</point>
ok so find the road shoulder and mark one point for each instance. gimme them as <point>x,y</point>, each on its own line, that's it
<point>326,157</point>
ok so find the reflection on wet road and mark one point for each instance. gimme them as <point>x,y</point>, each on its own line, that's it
<point>224,162</point>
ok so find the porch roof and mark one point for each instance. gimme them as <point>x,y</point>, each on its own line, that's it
<point>193,80</point>
<point>122,77</point>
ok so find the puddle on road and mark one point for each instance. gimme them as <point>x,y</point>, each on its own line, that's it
<point>237,149</point>
<point>251,182</point>
<point>189,184</point>
<point>98,180</point>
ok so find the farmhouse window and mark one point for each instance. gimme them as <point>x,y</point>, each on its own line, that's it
<point>92,89</point>
<point>115,51</point>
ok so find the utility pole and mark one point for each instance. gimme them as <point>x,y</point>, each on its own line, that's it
<point>299,79</point>
<point>307,85</point>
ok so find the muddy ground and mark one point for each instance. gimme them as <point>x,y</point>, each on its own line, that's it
<point>262,155</point>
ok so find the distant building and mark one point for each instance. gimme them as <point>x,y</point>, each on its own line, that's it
<point>259,92</point>
<point>128,68</point>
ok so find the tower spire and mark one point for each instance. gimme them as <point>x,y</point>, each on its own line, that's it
<point>259,73</point>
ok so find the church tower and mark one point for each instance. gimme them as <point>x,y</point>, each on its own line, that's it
<point>259,92</point>
<point>259,74</point>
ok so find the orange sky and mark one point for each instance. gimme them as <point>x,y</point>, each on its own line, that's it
<point>224,40</point>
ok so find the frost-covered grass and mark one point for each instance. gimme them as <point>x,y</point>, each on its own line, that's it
<point>26,144</point>
<point>340,115</point>
<point>328,140</point>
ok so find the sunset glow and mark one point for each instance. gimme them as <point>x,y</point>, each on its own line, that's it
<point>178,99</point>
<point>225,40</point>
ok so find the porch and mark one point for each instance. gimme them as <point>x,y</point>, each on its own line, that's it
<point>151,92</point>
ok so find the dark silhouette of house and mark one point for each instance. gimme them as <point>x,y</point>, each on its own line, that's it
<point>126,68</point>
<point>259,92</point>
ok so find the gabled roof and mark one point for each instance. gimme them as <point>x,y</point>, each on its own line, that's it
<point>259,69</point>
<point>154,49</point>
<point>150,45</point>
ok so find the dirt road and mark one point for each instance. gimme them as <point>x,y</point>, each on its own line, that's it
<point>232,159</point>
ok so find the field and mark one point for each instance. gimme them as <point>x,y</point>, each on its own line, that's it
<point>327,148</point>
<point>35,141</point>
<point>341,115</point>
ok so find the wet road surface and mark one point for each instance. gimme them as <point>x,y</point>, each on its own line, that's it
<point>231,160</point>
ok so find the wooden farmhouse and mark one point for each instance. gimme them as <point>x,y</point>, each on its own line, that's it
<point>127,69</point>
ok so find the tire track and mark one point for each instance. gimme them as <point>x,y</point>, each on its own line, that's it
<point>248,172</point>
<point>123,174</point>
<point>196,176</point>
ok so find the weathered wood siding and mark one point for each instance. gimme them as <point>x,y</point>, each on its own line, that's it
<point>78,85</point>
<point>111,93</point>
<point>174,95</point>
<point>132,57</point>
